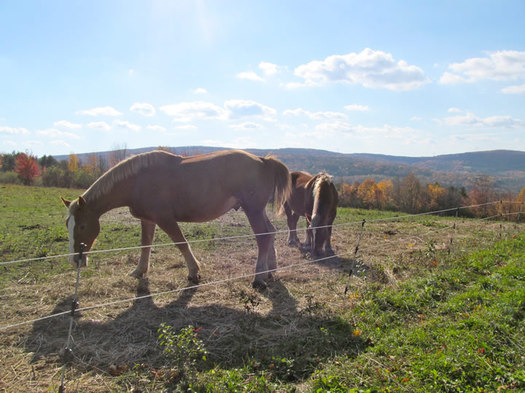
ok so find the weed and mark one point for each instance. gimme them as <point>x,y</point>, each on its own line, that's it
<point>250,300</point>
<point>183,351</point>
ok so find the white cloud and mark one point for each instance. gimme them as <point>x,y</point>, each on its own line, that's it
<point>189,111</point>
<point>336,126</point>
<point>247,126</point>
<point>451,79</point>
<point>200,90</point>
<point>518,89</point>
<point>100,111</point>
<point>99,125</point>
<point>143,109</point>
<point>67,124</point>
<point>126,125</point>
<point>13,130</point>
<point>471,120</point>
<point>54,133</point>
<point>503,65</point>
<point>454,110</point>
<point>156,128</point>
<point>370,68</point>
<point>186,127</point>
<point>269,68</point>
<point>250,75</point>
<point>357,108</point>
<point>247,108</point>
<point>315,115</point>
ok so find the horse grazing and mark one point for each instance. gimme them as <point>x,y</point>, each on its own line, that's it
<point>161,188</point>
<point>314,197</point>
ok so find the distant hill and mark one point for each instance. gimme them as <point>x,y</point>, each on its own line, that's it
<point>506,167</point>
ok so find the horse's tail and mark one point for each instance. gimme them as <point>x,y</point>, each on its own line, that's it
<point>282,184</point>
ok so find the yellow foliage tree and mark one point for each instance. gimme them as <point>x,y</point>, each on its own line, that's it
<point>73,163</point>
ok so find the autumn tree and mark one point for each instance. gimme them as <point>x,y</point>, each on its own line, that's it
<point>92,166</point>
<point>73,163</point>
<point>348,195</point>
<point>27,168</point>
<point>481,193</point>
<point>366,192</point>
<point>411,198</point>
<point>384,194</point>
<point>436,196</point>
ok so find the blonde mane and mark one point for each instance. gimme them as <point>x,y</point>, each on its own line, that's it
<point>319,178</point>
<point>126,169</point>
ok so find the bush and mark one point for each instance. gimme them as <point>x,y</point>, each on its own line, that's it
<point>9,178</point>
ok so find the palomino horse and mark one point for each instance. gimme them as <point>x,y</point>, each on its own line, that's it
<point>314,197</point>
<point>161,188</point>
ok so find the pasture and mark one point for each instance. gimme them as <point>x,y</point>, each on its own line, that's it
<point>427,304</point>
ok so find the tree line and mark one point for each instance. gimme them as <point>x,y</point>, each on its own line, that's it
<point>27,169</point>
<point>410,195</point>
<point>407,194</point>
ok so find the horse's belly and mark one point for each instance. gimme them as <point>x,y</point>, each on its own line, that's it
<point>202,212</point>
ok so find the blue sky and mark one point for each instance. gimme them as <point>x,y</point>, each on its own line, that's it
<point>414,78</point>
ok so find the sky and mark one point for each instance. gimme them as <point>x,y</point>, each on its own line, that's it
<point>404,78</point>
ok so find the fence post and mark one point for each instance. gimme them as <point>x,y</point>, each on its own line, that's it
<point>74,305</point>
<point>454,229</point>
<point>356,250</point>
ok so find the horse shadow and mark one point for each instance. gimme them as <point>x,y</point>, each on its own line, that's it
<point>232,337</point>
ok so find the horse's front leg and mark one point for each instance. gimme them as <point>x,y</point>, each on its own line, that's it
<point>174,232</point>
<point>148,232</point>
<point>291,219</point>
<point>308,243</point>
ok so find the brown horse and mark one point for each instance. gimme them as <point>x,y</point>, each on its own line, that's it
<point>161,188</point>
<point>314,197</point>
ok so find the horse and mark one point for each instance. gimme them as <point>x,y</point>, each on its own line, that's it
<point>314,197</point>
<point>161,188</point>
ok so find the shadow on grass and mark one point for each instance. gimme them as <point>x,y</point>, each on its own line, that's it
<point>232,337</point>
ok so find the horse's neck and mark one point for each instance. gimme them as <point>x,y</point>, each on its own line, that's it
<point>103,198</point>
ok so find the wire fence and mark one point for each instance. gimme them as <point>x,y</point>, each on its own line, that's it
<point>349,252</point>
<point>304,263</point>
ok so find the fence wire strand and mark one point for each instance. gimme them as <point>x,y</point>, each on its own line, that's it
<point>236,237</point>
<point>247,275</point>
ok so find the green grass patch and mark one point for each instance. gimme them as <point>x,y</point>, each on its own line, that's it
<point>458,329</point>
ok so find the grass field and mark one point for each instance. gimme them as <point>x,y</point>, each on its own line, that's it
<point>428,304</point>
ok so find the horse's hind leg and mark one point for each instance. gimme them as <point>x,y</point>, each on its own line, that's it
<point>148,231</point>
<point>174,232</point>
<point>272,257</point>
<point>259,223</point>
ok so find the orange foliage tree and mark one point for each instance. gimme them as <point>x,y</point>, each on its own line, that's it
<point>27,168</point>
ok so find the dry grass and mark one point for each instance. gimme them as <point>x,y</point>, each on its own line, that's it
<point>237,322</point>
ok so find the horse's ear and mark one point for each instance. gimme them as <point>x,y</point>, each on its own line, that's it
<point>66,202</point>
<point>81,201</point>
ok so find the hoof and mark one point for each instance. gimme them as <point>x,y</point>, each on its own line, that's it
<point>137,274</point>
<point>259,285</point>
<point>194,280</point>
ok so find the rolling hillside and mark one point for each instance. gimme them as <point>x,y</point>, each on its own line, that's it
<point>506,167</point>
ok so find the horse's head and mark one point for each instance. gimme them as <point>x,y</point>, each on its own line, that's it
<point>83,227</point>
